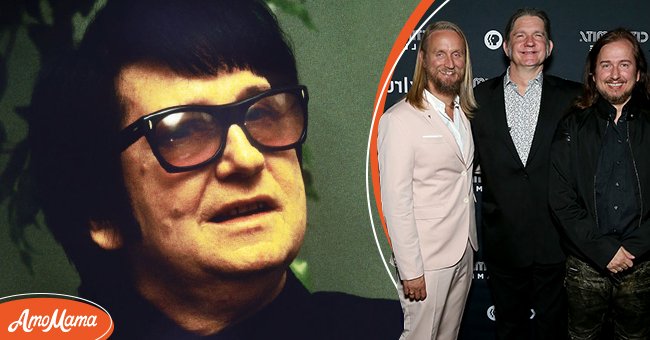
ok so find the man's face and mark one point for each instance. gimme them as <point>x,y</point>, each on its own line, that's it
<point>527,45</point>
<point>615,72</point>
<point>242,214</point>
<point>444,62</point>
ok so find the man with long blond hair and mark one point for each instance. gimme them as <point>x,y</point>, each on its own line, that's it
<point>426,157</point>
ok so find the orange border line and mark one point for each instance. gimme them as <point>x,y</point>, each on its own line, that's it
<point>398,47</point>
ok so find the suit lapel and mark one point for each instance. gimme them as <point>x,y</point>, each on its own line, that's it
<point>437,123</point>
<point>545,120</point>
<point>468,146</point>
<point>499,118</point>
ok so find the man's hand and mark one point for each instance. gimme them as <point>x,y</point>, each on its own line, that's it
<point>415,289</point>
<point>621,261</point>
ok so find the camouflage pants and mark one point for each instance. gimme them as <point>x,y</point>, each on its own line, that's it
<point>597,300</point>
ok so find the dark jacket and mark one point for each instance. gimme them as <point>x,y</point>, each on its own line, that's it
<point>575,153</point>
<point>294,314</point>
<point>517,227</point>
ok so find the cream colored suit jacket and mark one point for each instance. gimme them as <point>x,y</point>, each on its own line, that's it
<point>426,189</point>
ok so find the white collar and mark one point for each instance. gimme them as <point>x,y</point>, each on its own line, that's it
<point>437,103</point>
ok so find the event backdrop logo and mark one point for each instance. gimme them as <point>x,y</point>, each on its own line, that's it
<point>492,315</point>
<point>493,39</point>
<point>52,316</point>
<point>400,86</point>
<point>590,37</point>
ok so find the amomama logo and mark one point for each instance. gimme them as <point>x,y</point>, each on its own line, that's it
<point>53,316</point>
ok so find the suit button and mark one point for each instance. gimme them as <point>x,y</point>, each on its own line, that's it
<point>463,173</point>
<point>465,200</point>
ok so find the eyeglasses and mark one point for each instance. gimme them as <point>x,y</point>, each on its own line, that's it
<point>187,137</point>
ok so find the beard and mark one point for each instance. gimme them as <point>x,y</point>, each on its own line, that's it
<point>617,99</point>
<point>449,87</point>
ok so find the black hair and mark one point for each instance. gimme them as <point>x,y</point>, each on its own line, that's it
<point>77,113</point>
<point>526,11</point>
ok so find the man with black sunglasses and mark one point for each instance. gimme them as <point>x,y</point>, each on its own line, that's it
<point>167,151</point>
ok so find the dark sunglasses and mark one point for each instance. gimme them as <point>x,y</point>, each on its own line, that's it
<point>187,137</point>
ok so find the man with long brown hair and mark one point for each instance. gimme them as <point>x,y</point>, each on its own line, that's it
<point>426,157</point>
<point>599,187</point>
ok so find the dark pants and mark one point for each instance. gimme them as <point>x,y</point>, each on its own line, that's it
<point>515,291</point>
<point>596,299</point>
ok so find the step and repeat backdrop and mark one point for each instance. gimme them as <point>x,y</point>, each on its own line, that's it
<point>575,27</point>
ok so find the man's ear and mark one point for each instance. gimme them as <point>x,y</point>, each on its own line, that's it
<point>106,235</point>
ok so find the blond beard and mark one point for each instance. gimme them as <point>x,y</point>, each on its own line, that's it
<point>448,88</point>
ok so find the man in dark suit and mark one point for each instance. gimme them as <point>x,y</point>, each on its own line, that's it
<point>513,130</point>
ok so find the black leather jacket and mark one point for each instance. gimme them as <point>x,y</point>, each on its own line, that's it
<point>574,157</point>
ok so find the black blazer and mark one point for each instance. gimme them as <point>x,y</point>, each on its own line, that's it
<point>517,226</point>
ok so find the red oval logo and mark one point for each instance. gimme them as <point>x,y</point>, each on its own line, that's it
<point>53,316</point>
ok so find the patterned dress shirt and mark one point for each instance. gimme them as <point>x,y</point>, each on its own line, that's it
<point>522,112</point>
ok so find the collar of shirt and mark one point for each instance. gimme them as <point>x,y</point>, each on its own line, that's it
<point>457,126</point>
<point>438,104</point>
<point>608,111</point>
<point>507,81</point>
